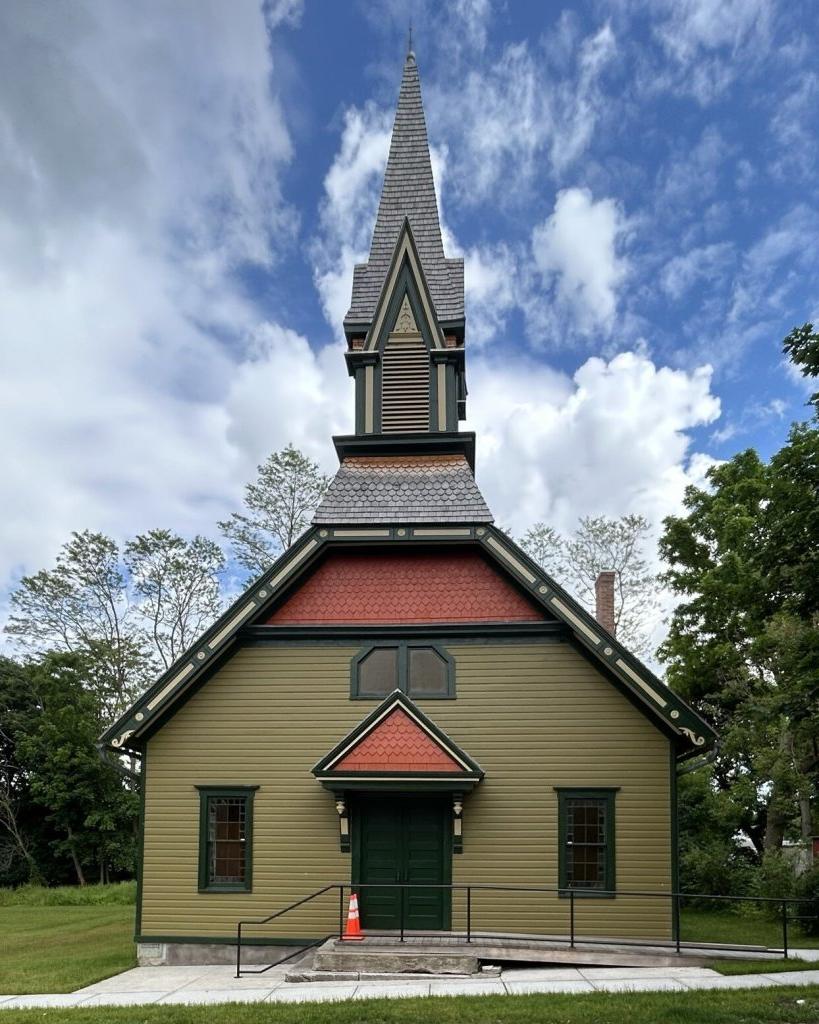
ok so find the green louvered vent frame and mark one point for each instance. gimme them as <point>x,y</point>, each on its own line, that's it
<point>405,384</point>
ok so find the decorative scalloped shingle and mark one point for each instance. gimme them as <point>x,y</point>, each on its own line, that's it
<point>397,744</point>
<point>403,489</point>
<point>385,587</point>
<point>408,192</point>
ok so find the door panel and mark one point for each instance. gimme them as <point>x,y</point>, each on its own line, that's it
<point>404,840</point>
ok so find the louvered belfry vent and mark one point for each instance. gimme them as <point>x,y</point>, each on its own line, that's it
<point>404,384</point>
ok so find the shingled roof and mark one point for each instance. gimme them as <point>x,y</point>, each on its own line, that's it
<point>403,489</point>
<point>408,192</point>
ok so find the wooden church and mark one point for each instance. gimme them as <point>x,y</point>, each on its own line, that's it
<point>405,696</point>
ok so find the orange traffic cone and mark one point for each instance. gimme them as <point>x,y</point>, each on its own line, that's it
<point>352,933</point>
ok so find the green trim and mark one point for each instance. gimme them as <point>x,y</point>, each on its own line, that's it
<point>403,647</point>
<point>206,793</point>
<point>223,940</point>
<point>456,442</point>
<point>668,711</point>
<point>344,636</point>
<point>141,841</point>
<point>564,794</point>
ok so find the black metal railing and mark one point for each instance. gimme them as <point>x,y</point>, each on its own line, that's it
<point>571,938</point>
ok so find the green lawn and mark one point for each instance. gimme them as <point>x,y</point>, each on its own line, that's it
<point>59,948</point>
<point>789,1005</point>
<point>763,966</point>
<point>744,929</point>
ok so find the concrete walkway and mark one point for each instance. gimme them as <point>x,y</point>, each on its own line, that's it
<point>208,985</point>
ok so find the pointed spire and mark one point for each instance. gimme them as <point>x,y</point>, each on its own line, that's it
<point>408,193</point>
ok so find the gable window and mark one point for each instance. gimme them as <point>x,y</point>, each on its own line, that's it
<point>586,837</point>
<point>225,838</point>
<point>420,670</point>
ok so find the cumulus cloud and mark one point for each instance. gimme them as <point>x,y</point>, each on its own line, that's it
<point>610,440</point>
<point>139,171</point>
<point>577,253</point>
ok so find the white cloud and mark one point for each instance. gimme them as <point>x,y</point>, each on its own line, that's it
<point>707,262</point>
<point>611,440</point>
<point>503,118</point>
<point>576,252</point>
<point>352,187</point>
<point>139,169</point>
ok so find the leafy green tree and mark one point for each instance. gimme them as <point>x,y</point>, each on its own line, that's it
<point>743,640</point>
<point>82,797</point>
<point>278,507</point>
<point>802,346</point>
<point>17,708</point>
<point>600,543</point>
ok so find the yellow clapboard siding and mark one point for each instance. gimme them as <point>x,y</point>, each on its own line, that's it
<point>534,716</point>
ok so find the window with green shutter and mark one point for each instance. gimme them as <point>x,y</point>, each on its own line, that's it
<point>586,836</point>
<point>225,838</point>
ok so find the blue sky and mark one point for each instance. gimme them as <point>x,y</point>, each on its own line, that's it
<point>185,187</point>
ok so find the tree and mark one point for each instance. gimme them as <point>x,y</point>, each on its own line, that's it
<point>128,617</point>
<point>81,606</point>
<point>743,642</point>
<point>802,346</point>
<point>279,506</point>
<point>83,797</point>
<point>601,543</point>
<point>17,708</point>
<point>177,583</point>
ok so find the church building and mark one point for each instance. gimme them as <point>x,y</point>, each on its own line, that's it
<point>405,697</point>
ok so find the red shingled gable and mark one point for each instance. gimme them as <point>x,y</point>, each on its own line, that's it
<point>408,586</point>
<point>397,744</point>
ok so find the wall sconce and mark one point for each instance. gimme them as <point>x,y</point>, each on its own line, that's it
<point>457,823</point>
<point>343,825</point>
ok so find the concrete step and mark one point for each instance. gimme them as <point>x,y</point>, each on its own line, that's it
<point>339,957</point>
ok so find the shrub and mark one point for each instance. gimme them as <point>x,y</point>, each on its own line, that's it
<point>808,890</point>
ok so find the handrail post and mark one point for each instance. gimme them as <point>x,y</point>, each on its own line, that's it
<point>402,911</point>
<point>677,919</point>
<point>785,929</point>
<point>571,917</point>
<point>340,912</point>
<point>469,913</point>
<point>239,950</point>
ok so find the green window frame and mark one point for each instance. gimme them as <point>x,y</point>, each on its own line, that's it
<point>404,651</point>
<point>579,847</point>
<point>230,807</point>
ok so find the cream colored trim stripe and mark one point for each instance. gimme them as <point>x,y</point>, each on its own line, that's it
<point>453,532</point>
<point>441,396</point>
<point>507,557</point>
<point>294,561</point>
<point>368,399</point>
<point>575,620</point>
<point>641,682</point>
<point>361,533</point>
<point>163,693</point>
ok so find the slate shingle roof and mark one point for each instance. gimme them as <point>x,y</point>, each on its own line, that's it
<point>403,489</point>
<point>408,192</point>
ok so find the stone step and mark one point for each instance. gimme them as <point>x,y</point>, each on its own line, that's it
<point>392,961</point>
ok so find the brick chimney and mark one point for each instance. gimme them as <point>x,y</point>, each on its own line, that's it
<point>604,599</point>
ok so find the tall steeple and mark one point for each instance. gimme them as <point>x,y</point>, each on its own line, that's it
<point>408,193</point>
<point>405,325</point>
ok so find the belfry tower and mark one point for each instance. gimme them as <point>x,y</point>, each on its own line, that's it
<point>407,460</point>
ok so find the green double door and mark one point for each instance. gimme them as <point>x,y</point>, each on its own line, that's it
<point>403,839</point>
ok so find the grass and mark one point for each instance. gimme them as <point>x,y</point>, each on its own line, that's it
<point>118,894</point>
<point>789,1005</point>
<point>57,948</point>
<point>763,966</point>
<point>740,928</point>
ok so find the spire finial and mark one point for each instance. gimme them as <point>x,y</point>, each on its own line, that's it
<point>410,53</point>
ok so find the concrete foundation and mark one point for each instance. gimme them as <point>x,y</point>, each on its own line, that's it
<point>182,954</point>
